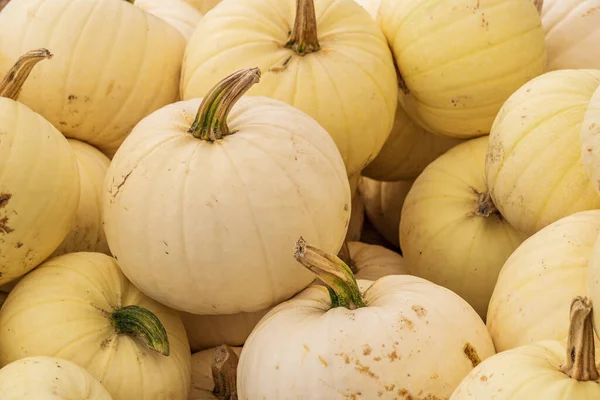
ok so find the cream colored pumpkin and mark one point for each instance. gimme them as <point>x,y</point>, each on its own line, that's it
<point>383,205</point>
<point>70,307</point>
<point>460,60</point>
<point>357,219</point>
<point>533,167</point>
<point>180,14</point>
<point>372,262</point>
<point>49,378</point>
<point>593,277</point>
<point>268,181</point>
<point>39,181</point>
<point>114,64</point>
<point>451,232</point>
<point>348,85</point>
<point>203,6</point>
<point>305,348</point>
<point>572,33</point>
<point>203,381</point>
<point>87,233</point>
<point>538,281</point>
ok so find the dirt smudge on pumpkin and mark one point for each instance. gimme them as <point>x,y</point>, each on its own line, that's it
<point>406,395</point>
<point>365,370</point>
<point>19,245</point>
<point>419,310</point>
<point>4,198</point>
<point>4,228</point>
<point>406,323</point>
<point>323,361</point>
<point>367,350</point>
<point>471,354</point>
<point>393,356</point>
<point>306,348</point>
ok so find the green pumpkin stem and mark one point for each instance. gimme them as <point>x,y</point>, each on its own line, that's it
<point>224,372</point>
<point>303,39</point>
<point>334,273</point>
<point>211,120</point>
<point>580,362</point>
<point>11,85</point>
<point>141,324</point>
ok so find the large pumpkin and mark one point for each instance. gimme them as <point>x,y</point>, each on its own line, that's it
<point>80,307</point>
<point>214,373</point>
<point>329,60</point>
<point>237,186</point>
<point>114,64</point>
<point>460,60</point>
<point>39,179</point>
<point>450,230</point>
<point>533,167</point>
<point>180,14</point>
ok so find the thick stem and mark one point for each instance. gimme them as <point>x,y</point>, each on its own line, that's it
<point>224,372</point>
<point>334,273</point>
<point>211,120</point>
<point>580,363</point>
<point>485,205</point>
<point>303,39</point>
<point>142,324</point>
<point>539,4</point>
<point>345,256</point>
<point>15,78</point>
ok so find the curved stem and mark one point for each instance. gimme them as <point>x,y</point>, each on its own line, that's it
<point>539,4</point>
<point>142,324</point>
<point>12,83</point>
<point>224,372</point>
<point>303,39</point>
<point>334,273</point>
<point>211,120</point>
<point>485,205</point>
<point>345,256</point>
<point>580,361</point>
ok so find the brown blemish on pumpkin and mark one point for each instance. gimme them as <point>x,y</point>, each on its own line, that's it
<point>376,358</point>
<point>72,97</point>
<point>4,198</point>
<point>367,350</point>
<point>390,388</point>
<point>345,207</point>
<point>406,395</point>
<point>19,245</point>
<point>419,310</point>
<point>406,323</point>
<point>393,356</point>
<point>471,354</point>
<point>306,348</point>
<point>4,228</point>
<point>283,66</point>
<point>365,370</point>
<point>323,361</point>
<point>483,378</point>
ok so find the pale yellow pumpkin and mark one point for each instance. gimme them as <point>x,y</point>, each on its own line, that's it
<point>538,281</point>
<point>221,361</point>
<point>383,205</point>
<point>114,64</point>
<point>534,168</point>
<point>269,168</point>
<point>451,232</point>
<point>357,219</point>
<point>49,378</point>
<point>362,343</point>
<point>337,68</point>
<point>460,60</point>
<point>87,233</point>
<point>39,179</point>
<point>203,6</point>
<point>80,307</point>
<point>180,14</point>
<point>371,261</point>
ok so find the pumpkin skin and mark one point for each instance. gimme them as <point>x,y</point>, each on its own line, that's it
<point>357,219</point>
<point>202,377</point>
<point>533,166</point>
<point>268,189</point>
<point>99,83</point>
<point>554,260</point>
<point>372,6</point>
<point>353,64</point>
<point>594,281</point>
<point>49,378</point>
<point>446,202</point>
<point>57,310</point>
<point>590,140</point>
<point>461,60</point>
<point>87,233</point>
<point>181,15</point>
<point>39,189</point>
<point>370,352</point>
<point>373,262</point>
<point>572,33</point>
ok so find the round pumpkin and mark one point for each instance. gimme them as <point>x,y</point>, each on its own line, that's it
<point>538,281</point>
<point>357,219</point>
<point>49,378</point>
<point>342,341</point>
<point>327,59</point>
<point>214,373</point>
<point>39,179</point>
<point>180,14</point>
<point>114,64</point>
<point>451,232</point>
<point>533,167</point>
<point>371,261</point>
<point>460,60</point>
<point>80,307</point>
<point>268,167</point>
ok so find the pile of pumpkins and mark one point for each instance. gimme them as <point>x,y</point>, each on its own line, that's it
<point>299,199</point>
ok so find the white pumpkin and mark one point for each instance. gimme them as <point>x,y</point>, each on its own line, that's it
<point>371,261</point>
<point>362,343</point>
<point>49,378</point>
<point>268,166</point>
<point>214,373</point>
<point>179,13</point>
<point>114,64</point>
<point>80,307</point>
<point>539,280</point>
<point>337,68</point>
<point>357,219</point>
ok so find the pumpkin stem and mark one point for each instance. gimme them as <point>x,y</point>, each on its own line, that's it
<point>303,39</point>
<point>211,120</point>
<point>580,363</point>
<point>224,372</point>
<point>345,256</point>
<point>3,3</point>
<point>539,4</point>
<point>485,205</point>
<point>334,273</point>
<point>142,324</point>
<point>13,81</point>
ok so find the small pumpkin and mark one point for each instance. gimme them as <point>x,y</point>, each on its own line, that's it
<point>357,219</point>
<point>43,378</point>
<point>363,338</point>
<point>214,373</point>
<point>371,261</point>
<point>593,275</point>
<point>80,307</point>
<point>180,14</point>
<point>546,370</point>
